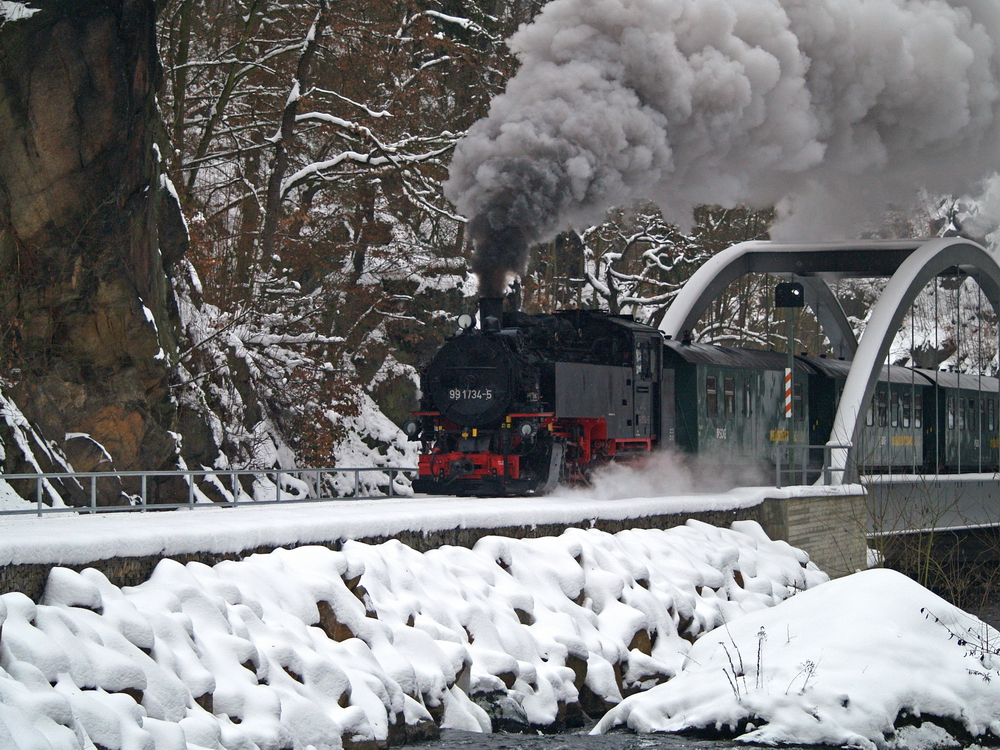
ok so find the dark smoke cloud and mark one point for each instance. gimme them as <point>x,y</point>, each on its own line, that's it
<point>498,251</point>
<point>824,108</point>
<point>526,197</point>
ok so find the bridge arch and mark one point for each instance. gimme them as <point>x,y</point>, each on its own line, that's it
<point>909,264</point>
<point>931,259</point>
<point>813,264</point>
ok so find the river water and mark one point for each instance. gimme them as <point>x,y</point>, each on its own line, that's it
<point>452,739</point>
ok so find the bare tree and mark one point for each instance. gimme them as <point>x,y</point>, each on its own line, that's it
<point>309,142</point>
<point>636,262</point>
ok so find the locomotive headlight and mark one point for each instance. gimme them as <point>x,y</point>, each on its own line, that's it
<point>412,428</point>
<point>465,321</point>
<point>526,430</point>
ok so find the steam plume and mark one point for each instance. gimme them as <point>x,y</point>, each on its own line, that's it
<point>821,107</point>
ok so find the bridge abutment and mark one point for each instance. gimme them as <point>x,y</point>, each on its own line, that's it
<point>831,528</point>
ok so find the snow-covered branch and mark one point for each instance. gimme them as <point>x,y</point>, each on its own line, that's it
<point>376,158</point>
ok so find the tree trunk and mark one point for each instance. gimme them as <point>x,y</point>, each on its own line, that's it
<point>86,338</point>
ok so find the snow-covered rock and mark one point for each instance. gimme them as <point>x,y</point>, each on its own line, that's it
<point>373,643</point>
<point>873,660</point>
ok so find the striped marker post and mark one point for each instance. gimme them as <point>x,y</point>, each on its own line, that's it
<point>788,393</point>
<point>789,295</point>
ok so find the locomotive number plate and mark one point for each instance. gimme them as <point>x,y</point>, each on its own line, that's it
<point>471,394</point>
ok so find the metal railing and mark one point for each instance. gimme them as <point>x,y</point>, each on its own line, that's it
<point>805,464</point>
<point>136,490</point>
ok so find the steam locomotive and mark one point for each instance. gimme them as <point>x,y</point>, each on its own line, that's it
<point>524,402</point>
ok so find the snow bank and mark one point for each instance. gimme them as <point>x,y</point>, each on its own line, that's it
<point>316,647</point>
<point>12,11</point>
<point>855,662</point>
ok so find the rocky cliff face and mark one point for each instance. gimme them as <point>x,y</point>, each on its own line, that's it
<point>86,230</point>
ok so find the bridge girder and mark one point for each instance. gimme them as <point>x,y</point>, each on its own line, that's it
<point>909,264</point>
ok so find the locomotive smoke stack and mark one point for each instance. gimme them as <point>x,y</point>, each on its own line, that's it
<point>491,313</point>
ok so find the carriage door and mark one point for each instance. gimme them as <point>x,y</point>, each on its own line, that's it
<point>646,366</point>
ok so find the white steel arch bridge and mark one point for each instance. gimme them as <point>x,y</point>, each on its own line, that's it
<point>908,264</point>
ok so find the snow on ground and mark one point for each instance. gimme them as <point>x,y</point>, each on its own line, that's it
<point>835,665</point>
<point>312,647</point>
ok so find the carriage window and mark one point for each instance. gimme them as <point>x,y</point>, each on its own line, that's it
<point>972,414</point>
<point>797,412</point>
<point>982,413</point>
<point>991,414</point>
<point>729,396</point>
<point>951,412</point>
<point>907,402</point>
<point>894,409</point>
<point>870,416</point>
<point>961,413</point>
<point>880,407</point>
<point>747,403</point>
<point>644,360</point>
<point>918,413</point>
<point>711,395</point>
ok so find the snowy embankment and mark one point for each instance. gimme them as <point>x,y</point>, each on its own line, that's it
<point>870,660</point>
<point>373,643</point>
<point>696,625</point>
